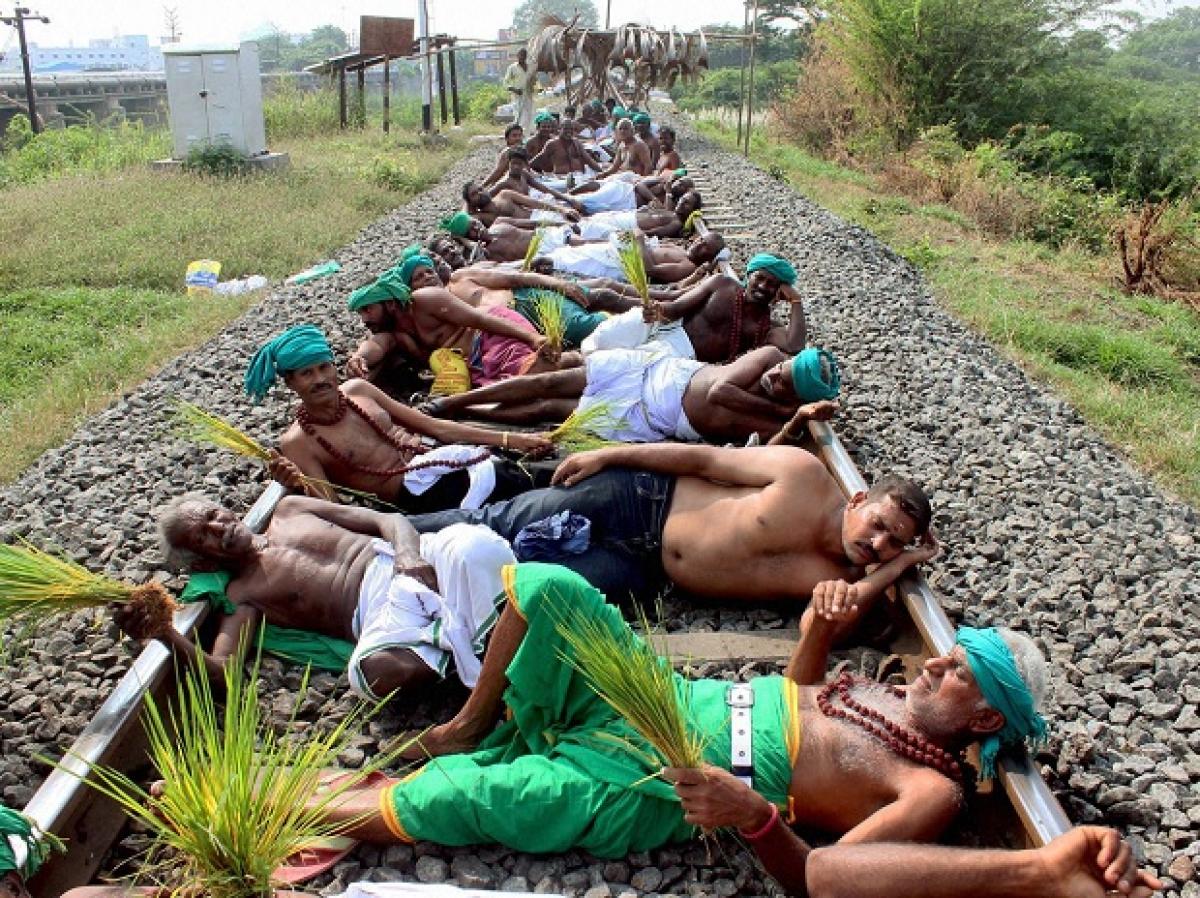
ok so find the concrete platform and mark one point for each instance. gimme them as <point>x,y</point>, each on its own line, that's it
<point>265,162</point>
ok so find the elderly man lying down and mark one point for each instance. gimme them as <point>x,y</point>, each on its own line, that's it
<point>647,397</point>
<point>868,761</point>
<point>324,575</point>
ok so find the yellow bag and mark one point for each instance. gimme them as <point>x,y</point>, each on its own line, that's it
<point>450,372</point>
<point>202,276</point>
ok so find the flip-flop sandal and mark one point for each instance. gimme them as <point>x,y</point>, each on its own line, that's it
<point>450,372</point>
<point>322,854</point>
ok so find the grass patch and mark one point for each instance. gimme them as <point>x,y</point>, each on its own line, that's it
<point>1130,364</point>
<point>92,264</point>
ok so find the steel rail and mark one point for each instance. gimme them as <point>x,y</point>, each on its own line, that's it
<point>1039,811</point>
<point>65,805</point>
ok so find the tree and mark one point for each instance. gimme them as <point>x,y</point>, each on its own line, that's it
<point>1174,40</point>
<point>528,16</point>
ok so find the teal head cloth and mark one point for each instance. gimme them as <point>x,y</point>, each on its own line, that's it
<point>295,348</point>
<point>13,824</point>
<point>405,269</point>
<point>618,112</point>
<point>457,224</point>
<point>680,172</point>
<point>1000,682</point>
<point>815,375</point>
<point>543,116</point>
<point>640,118</point>
<point>780,269</point>
<point>413,249</point>
<point>387,286</point>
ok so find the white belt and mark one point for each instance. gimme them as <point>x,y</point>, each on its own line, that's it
<point>740,699</point>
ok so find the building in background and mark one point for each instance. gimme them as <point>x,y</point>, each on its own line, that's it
<point>128,53</point>
<point>492,62</point>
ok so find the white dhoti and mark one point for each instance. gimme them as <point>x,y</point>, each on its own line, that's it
<point>546,216</point>
<point>398,611</point>
<point>481,476</point>
<point>594,260</point>
<point>615,194</point>
<point>642,393</point>
<point>628,331</point>
<point>554,237</point>
<point>600,224</point>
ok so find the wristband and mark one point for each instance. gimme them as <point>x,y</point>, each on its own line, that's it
<point>766,827</point>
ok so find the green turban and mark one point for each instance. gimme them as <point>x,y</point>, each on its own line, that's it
<point>25,830</point>
<point>292,350</point>
<point>387,286</point>
<point>618,112</point>
<point>815,375</point>
<point>457,224</point>
<point>1005,691</point>
<point>680,172</point>
<point>413,249</point>
<point>640,118</point>
<point>405,269</point>
<point>780,269</point>
<point>543,116</point>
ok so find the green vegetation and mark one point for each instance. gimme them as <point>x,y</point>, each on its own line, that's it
<point>93,250</point>
<point>1130,364</point>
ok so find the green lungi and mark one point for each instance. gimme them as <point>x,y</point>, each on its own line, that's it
<point>552,777</point>
<point>579,322</point>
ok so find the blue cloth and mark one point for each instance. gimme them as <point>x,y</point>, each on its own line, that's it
<point>1003,689</point>
<point>295,348</point>
<point>807,380</point>
<point>559,535</point>
<point>627,508</point>
<point>780,269</point>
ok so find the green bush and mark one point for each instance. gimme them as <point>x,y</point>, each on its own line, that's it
<point>26,157</point>
<point>723,87</point>
<point>399,176</point>
<point>479,101</point>
<point>291,112</point>
<point>219,160</point>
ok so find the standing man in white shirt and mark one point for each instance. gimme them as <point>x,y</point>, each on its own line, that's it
<point>519,86</point>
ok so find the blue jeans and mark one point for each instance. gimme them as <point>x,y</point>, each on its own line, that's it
<point>628,510</point>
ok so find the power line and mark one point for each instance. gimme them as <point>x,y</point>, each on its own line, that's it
<point>20,16</point>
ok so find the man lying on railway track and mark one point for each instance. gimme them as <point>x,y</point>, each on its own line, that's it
<point>511,207</point>
<point>412,605</point>
<point>716,320</point>
<point>649,397</point>
<point>355,435</point>
<point>23,848</point>
<point>410,312</point>
<point>521,180</point>
<point>514,136</point>
<point>763,523</point>
<point>869,761</point>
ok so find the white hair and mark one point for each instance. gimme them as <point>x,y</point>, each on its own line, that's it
<point>173,523</point>
<point>1031,665</point>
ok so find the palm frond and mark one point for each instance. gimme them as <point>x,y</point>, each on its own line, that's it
<point>634,266</point>
<point>634,681</point>
<point>531,252</point>
<point>592,428</point>
<point>551,319</point>
<point>199,426</point>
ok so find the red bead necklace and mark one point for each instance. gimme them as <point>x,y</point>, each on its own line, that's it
<point>345,404</point>
<point>903,742</point>
<point>735,336</point>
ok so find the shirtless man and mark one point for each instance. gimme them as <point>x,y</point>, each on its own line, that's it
<point>764,523</point>
<point>355,435</point>
<point>668,157</point>
<point>347,573</point>
<point>651,221</point>
<point>699,324</point>
<point>410,312</point>
<point>514,136</point>
<point>511,206</point>
<point>641,127</point>
<point>632,154</point>
<point>649,397</point>
<point>544,124</point>
<point>565,155</point>
<point>820,752</point>
<point>521,180</point>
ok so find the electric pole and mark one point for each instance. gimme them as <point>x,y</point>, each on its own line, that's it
<point>18,19</point>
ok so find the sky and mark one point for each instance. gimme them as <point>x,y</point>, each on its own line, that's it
<point>220,21</point>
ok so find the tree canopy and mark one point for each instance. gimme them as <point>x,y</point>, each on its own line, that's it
<point>530,13</point>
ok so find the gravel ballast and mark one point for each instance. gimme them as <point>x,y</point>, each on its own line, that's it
<point>1046,528</point>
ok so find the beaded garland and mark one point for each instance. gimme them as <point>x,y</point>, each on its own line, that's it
<point>903,742</point>
<point>735,335</point>
<point>345,404</point>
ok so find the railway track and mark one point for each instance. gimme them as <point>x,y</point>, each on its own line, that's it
<point>90,826</point>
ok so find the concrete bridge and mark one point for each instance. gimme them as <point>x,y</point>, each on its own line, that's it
<point>67,99</point>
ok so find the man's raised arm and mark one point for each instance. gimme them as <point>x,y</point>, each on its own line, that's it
<point>757,466</point>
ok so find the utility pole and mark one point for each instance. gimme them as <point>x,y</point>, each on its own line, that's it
<point>426,68</point>
<point>608,15</point>
<point>18,19</point>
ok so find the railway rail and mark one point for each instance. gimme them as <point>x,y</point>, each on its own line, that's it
<point>90,825</point>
